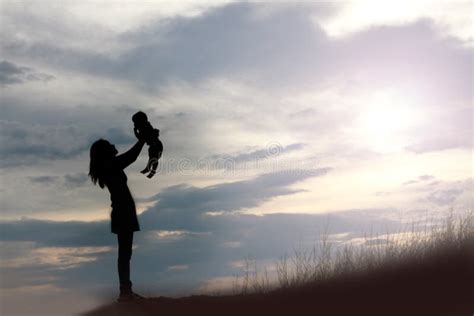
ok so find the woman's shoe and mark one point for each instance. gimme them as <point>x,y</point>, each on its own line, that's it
<point>125,297</point>
<point>130,296</point>
<point>138,296</point>
<point>126,293</point>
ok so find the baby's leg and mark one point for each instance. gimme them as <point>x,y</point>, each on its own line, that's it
<point>147,168</point>
<point>153,165</point>
<point>150,160</point>
<point>154,161</point>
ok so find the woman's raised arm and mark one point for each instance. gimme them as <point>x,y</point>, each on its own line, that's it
<point>128,157</point>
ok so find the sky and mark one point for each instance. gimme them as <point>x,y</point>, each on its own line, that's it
<point>278,119</point>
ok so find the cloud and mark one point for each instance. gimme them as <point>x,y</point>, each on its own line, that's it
<point>183,207</point>
<point>192,51</point>
<point>43,300</point>
<point>422,178</point>
<point>25,143</point>
<point>461,140</point>
<point>27,255</point>
<point>411,56</point>
<point>273,149</point>
<point>44,179</point>
<point>195,48</point>
<point>75,180</point>
<point>444,197</point>
<point>180,267</point>
<point>178,208</point>
<point>13,74</point>
<point>426,177</point>
<point>442,194</point>
<point>54,233</point>
<point>70,133</point>
<point>73,23</point>
<point>357,16</point>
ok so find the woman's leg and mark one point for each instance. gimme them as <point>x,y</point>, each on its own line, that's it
<point>125,241</point>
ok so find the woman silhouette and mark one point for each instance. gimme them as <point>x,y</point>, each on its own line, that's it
<point>106,169</point>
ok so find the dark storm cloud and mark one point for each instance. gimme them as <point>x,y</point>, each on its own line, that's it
<point>11,73</point>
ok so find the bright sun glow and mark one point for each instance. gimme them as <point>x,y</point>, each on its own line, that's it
<point>385,122</point>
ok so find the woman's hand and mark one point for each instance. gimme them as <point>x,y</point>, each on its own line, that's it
<point>128,157</point>
<point>138,135</point>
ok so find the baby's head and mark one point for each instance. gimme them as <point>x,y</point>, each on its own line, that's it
<point>139,119</point>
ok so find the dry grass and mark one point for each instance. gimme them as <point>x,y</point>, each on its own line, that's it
<point>327,260</point>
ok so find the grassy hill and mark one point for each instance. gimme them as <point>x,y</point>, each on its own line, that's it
<point>424,276</point>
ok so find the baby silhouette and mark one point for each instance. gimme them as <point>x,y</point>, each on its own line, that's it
<point>143,128</point>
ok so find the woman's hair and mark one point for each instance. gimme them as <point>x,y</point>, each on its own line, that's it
<point>100,153</point>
